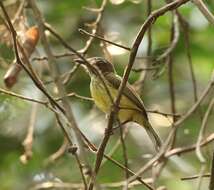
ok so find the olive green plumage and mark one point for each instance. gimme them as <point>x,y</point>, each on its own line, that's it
<point>131,106</point>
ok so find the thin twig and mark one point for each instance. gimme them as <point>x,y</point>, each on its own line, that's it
<point>145,68</point>
<point>103,39</point>
<point>166,114</point>
<point>59,153</point>
<point>116,146</point>
<point>186,31</point>
<point>125,156</point>
<point>45,103</point>
<point>66,133</point>
<point>28,141</point>
<point>22,97</point>
<point>19,11</point>
<point>170,68</point>
<point>95,26</point>
<point>180,150</point>
<point>57,56</point>
<point>204,10</point>
<point>194,177</point>
<point>73,94</point>
<point>170,62</point>
<point>141,80</point>
<point>66,77</point>
<point>157,169</point>
<point>70,74</point>
<point>166,54</point>
<point>200,178</point>
<point>211,185</point>
<point>202,130</point>
<point>57,185</point>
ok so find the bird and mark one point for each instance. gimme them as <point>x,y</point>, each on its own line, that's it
<point>131,107</point>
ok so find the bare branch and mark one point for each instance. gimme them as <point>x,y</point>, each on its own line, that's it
<point>195,177</point>
<point>95,26</point>
<point>204,10</point>
<point>125,156</point>
<point>103,39</point>
<point>179,150</point>
<point>202,130</point>
<point>60,152</point>
<point>28,141</point>
<point>211,186</point>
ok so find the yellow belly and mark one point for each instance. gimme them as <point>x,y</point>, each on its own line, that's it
<point>103,102</point>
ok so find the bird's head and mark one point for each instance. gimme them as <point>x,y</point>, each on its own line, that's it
<point>100,64</point>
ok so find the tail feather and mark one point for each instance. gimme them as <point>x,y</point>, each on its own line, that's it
<point>152,134</point>
<point>154,137</point>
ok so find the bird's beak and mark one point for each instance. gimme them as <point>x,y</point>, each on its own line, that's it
<point>82,63</point>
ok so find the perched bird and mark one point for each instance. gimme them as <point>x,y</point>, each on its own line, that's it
<point>131,107</point>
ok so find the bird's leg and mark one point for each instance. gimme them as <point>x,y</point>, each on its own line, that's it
<point>120,124</point>
<point>117,124</point>
<point>107,132</point>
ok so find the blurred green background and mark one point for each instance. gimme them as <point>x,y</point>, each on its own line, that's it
<point>121,22</point>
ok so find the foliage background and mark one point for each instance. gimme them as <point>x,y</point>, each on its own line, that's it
<point>121,23</point>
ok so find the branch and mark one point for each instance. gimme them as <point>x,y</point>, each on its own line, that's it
<point>57,56</point>
<point>173,43</point>
<point>141,80</point>
<point>202,130</point>
<point>204,10</point>
<point>195,177</point>
<point>174,31</point>
<point>125,156</point>
<point>115,147</point>
<point>167,53</point>
<point>178,151</point>
<point>57,185</point>
<point>211,186</point>
<point>69,138</point>
<point>103,39</point>
<point>3,91</point>
<point>166,114</point>
<point>60,152</point>
<point>95,26</point>
<point>28,141</point>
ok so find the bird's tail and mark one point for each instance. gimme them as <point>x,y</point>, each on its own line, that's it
<point>154,136</point>
<point>151,133</point>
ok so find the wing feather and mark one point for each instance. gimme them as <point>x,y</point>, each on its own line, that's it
<point>129,92</point>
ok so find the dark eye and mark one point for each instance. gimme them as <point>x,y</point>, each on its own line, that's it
<point>100,64</point>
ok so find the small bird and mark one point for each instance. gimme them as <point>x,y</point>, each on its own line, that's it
<point>131,107</point>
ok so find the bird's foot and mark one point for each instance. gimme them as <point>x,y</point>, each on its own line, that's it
<point>108,132</point>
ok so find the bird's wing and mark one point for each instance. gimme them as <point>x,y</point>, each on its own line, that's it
<point>129,92</point>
